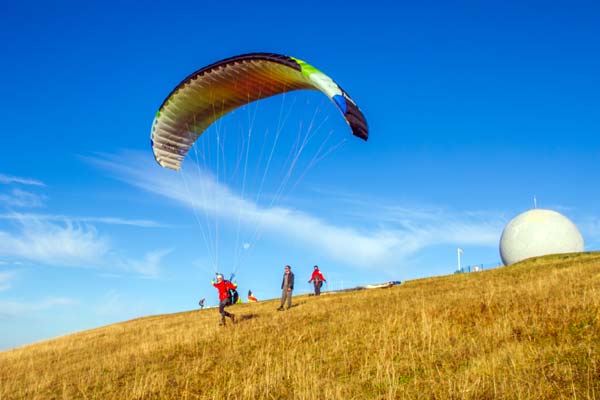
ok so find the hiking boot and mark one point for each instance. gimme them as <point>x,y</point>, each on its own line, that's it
<point>280,309</point>
<point>232,318</point>
<point>222,323</point>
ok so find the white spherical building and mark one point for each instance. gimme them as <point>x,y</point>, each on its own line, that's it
<point>538,232</point>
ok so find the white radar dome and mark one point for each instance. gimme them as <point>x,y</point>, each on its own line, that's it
<point>536,233</point>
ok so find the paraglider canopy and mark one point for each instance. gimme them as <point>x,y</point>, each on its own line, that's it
<point>215,90</point>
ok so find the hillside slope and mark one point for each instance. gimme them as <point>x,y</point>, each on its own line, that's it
<point>526,331</point>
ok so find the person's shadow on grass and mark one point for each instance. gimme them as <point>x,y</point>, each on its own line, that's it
<point>247,317</point>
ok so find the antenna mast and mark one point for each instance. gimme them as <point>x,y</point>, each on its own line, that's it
<point>459,251</point>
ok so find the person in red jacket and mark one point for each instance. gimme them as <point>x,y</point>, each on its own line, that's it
<point>223,287</point>
<point>318,279</point>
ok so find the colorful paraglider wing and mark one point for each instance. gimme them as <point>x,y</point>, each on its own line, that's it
<point>213,91</point>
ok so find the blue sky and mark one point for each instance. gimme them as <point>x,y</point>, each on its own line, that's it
<point>474,108</point>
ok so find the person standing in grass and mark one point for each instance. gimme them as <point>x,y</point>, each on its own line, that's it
<point>287,285</point>
<point>317,278</point>
<point>223,287</point>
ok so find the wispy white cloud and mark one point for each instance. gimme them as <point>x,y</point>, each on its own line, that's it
<point>140,223</point>
<point>425,225</point>
<point>2,262</point>
<point>7,179</point>
<point>401,232</point>
<point>65,243</point>
<point>21,198</point>
<point>18,309</point>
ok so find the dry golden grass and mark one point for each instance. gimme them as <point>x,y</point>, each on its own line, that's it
<point>529,331</point>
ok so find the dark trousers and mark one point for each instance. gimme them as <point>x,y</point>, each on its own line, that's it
<point>318,285</point>
<point>224,303</point>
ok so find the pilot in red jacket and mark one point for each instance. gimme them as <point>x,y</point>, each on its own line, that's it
<point>223,287</point>
<point>318,279</point>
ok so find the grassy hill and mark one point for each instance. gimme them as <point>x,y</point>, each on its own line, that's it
<point>530,330</point>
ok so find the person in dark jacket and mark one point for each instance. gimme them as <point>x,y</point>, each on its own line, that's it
<point>287,285</point>
<point>318,279</point>
<point>223,287</point>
